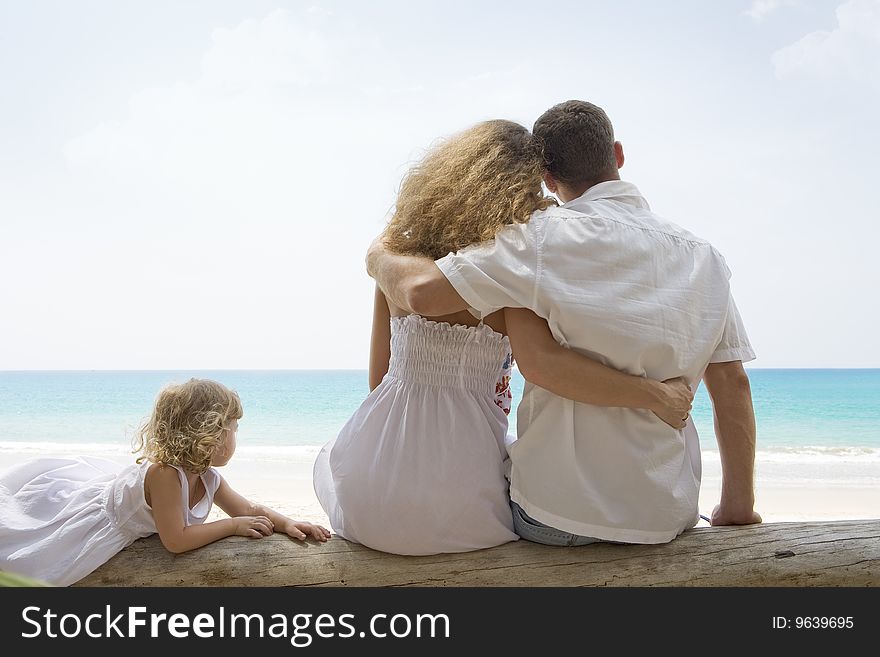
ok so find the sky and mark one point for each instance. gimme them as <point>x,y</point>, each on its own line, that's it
<point>194,185</point>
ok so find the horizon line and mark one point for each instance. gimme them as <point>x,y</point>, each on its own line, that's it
<point>328,369</point>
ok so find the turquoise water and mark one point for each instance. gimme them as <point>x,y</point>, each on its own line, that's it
<point>798,410</point>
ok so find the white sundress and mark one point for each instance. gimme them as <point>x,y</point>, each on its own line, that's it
<point>61,518</point>
<point>419,467</point>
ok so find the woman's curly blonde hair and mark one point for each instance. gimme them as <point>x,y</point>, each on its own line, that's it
<point>188,424</point>
<point>466,189</point>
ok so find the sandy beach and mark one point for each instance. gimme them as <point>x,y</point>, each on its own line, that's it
<point>290,489</point>
<point>286,485</point>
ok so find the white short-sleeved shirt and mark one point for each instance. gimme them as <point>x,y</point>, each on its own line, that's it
<point>619,284</point>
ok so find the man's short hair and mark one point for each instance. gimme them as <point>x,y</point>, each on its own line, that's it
<point>578,143</point>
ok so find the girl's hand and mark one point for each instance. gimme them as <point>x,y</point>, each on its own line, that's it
<point>253,526</point>
<point>301,530</point>
<point>675,404</point>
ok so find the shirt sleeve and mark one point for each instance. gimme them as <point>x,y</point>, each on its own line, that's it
<point>499,274</point>
<point>734,344</point>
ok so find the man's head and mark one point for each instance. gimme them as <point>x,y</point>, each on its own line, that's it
<point>579,148</point>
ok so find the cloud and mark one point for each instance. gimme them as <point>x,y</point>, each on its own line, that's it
<point>270,172</point>
<point>258,82</point>
<point>851,50</point>
<point>277,98</point>
<point>226,183</point>
<point>761,8</point>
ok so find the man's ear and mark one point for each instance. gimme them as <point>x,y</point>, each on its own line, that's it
<point>618,154</point>
<point>551,183</point>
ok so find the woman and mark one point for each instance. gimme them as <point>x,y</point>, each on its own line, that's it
<point>419,467</point>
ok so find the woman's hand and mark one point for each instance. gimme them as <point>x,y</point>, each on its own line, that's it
<point>674,402</point>
<point>301,530</point>
<point>253,526</point>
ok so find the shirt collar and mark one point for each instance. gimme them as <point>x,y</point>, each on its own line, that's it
<point>618,190</point>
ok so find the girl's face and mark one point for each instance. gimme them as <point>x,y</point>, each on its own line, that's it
<point>227,448</point>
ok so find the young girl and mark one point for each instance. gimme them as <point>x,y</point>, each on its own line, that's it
<point>419,468</point>
<point>60,519</point>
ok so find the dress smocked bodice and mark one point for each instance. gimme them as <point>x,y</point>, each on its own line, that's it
<point>447,355</point>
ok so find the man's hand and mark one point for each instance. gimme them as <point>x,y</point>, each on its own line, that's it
<point>412,283</point>
<point>376,250</point>
<point>745,516</point>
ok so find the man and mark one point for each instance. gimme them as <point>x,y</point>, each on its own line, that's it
<point>619,284</point>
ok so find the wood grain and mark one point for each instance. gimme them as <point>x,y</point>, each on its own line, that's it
<point>843,553</point>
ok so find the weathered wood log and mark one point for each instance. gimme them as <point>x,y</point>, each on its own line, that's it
<point>843,553</point>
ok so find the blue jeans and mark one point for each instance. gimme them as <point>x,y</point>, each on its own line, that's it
<point>537,532</point>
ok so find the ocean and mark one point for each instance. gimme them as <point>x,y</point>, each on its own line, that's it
<point>822,424</point>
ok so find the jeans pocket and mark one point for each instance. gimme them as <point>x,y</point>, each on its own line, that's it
<point>536,532</point>
<point>521,516</point>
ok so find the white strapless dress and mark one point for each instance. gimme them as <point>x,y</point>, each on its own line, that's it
<point>419,467</point>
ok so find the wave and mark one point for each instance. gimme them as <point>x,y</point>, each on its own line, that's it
<point>811,454</point>
<point>814,465</point>
<point>297,453</point>
<point>805,454</point>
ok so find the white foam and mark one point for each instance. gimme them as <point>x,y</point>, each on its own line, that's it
<point>812,454</point>
<point>288,453</point>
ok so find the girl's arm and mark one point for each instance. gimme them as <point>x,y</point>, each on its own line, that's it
<point>380,342</point>
<point>162,489</point>
<point>564,372</point>
<point>236,505</point>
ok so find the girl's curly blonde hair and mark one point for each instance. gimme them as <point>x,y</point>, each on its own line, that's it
<point>466,189</point>
<point>188,424</point>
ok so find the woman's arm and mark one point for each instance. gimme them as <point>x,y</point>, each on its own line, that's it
<point>162,489</point>
<point>236,505</point>
<point>564,372</point>
<point>380,342</point>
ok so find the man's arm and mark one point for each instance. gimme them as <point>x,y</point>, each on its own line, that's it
<point>413,283</point>
<point>728,386</point>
